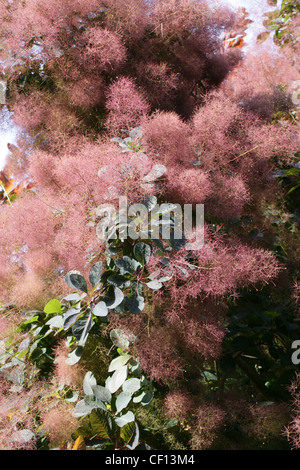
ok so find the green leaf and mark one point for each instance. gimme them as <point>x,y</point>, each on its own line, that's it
<point>120,339</point>
<point>154,285</point>
<point>73,297</point>
<point>149,201</point>
<point>208,376</point>
<point>156,172</point>
<point>114,382</point>
<point>118,362</point>
<point>122,401</point>
<point>121,309</point>
<point>290,172</point>
<point>27,322</point>
<point>102,393</point>
<point>100,309</point>
<point>136,288</point>
<point>124,419</point>
<point>131,385</point>
<point>139,397</point>
<point>95,402</point>
<point>83,431</point>
<point>53,306</point>
<point>72,396</point>
<point>88,382</point>
<point>147,398</point>
<point>85,332</point>
<point>82,409</point>
<point>55,322</point>
<point>297,185</point>
<point>79,326</point>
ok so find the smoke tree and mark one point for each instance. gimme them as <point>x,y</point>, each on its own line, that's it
<point>140,99</point>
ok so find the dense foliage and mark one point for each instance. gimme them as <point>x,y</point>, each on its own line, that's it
<point>140,100</point>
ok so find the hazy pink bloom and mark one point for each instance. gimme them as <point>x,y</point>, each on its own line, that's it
<point>42,169</point>
<point>210,418</point>
<point>46,22</point>
<point>71,376</point>
<point>229,196</point>
<point>29,292</point>
<point>292,430</point>
<point>179,404</point>
<point>296,294</point>
<point>105,49</point>
<point>217,269</point>
<point>159,82</point>
<point>215,130</point>
<point>130,18</point>
<point>183,18</point>
<point>40,262</point>
<point>201,336</point>
<point>8,325</point>
<point>166,136</point>
<point>30,111</point>
<point>188,186</point>
<point>263,83</point>
<point>86,92</point>
<point>125,104</point>
<point>58,421</point>
<point>157,355</point>
<point>268,420</point>
<point>35,218</point>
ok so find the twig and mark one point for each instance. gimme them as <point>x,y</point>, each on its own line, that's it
<point>242,154</point>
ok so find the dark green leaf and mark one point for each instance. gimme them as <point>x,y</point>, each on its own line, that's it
<point>142,252</point>
<point>83,431</point>
<point>76,280</point>
<point>135,303</point>
<point>127,265</point>
<point>118,280</point>
<point>130,435</point>
<point>113,297</point>
<point>101,425</point>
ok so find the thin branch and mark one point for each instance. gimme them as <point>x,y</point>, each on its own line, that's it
<point>245,153</point>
